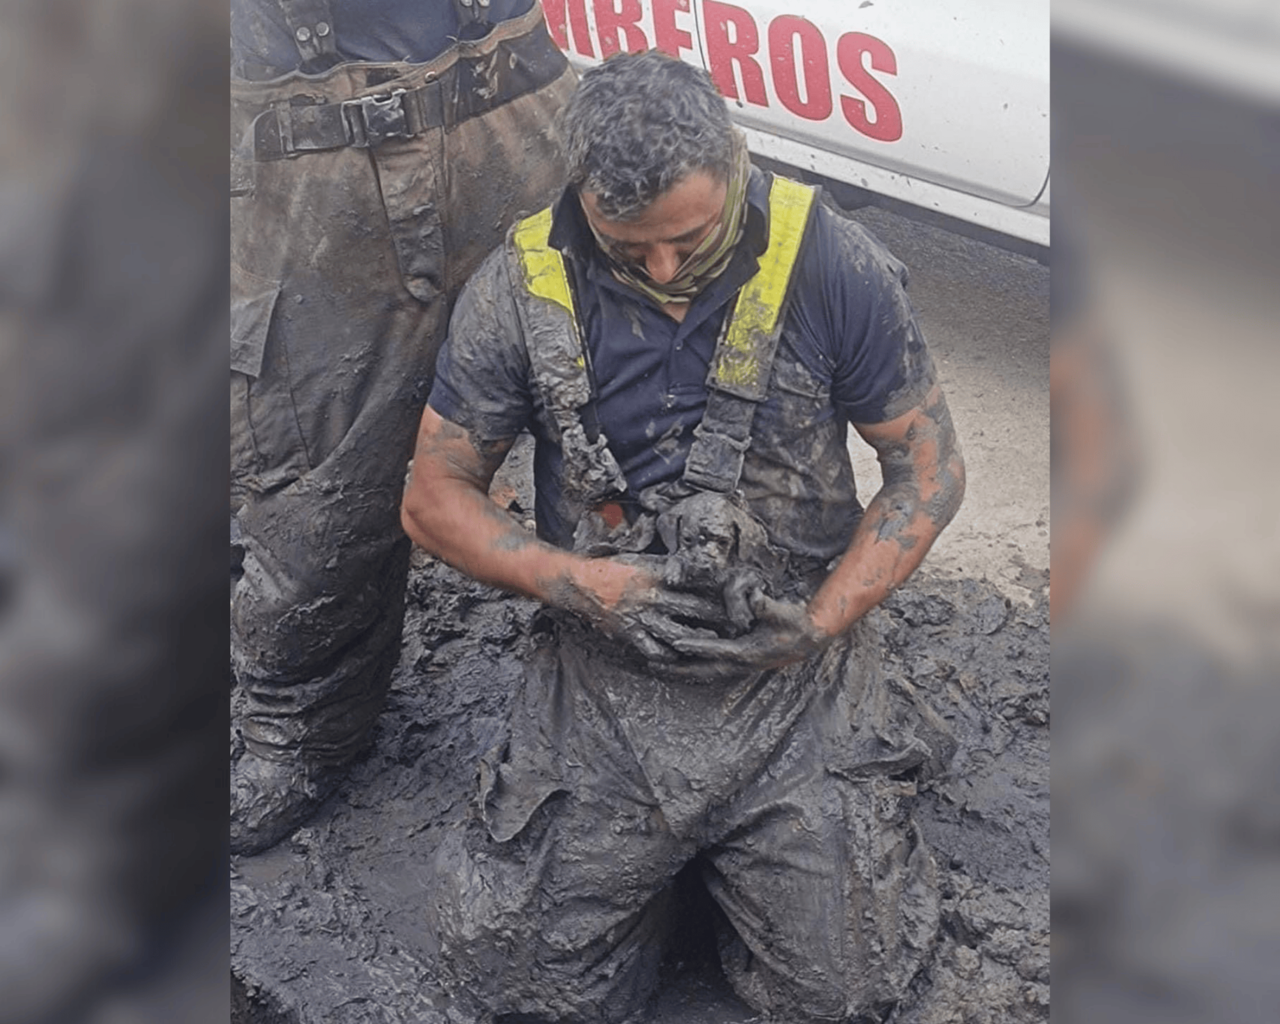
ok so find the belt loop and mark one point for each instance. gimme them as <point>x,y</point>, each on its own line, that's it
<point>427,105</point>
<point>411,100</point>
<point>449,86</point>
<point>353,122</point>
<point>284,126</point>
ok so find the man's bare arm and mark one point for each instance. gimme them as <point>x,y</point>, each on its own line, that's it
<point>923,486</point>
<point>447,511</point>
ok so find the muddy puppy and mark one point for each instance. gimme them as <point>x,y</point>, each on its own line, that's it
<point>719,549</point>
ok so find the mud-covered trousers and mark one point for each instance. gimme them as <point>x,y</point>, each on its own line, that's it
<point>344,266</point>
<point>791,785</point>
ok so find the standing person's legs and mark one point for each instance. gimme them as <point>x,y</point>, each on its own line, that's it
<point>345,265</point>
<point>333,354</point>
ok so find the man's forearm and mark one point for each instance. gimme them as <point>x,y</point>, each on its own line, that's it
<point>447,511</point>
<point>890,542</point>
<point>462,526</point>
<point>478,538</point>
<point>924,484</point>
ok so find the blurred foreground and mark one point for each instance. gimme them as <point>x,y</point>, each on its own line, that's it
<point>113,466</point>
<point>1166,666</point>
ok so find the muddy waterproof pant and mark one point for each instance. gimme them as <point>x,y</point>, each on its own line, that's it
<point>556,902</point>
<point>344,266</point>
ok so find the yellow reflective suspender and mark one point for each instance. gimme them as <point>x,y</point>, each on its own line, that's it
<point>558,359</point>
<point>544,270</point>
<point>745,355</point>
<point>560,345</point>
<point>738,379</point>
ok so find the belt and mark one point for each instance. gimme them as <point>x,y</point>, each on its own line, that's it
<point>466,88</point>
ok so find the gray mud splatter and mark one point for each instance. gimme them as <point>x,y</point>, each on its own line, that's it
<point>331,926</point>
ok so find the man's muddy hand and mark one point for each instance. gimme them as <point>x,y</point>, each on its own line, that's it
<point>738,591</point>
<point>783,633</point>
<point>631,603</point>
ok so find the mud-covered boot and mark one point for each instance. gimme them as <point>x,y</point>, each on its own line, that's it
<point>311,666</point>
<point>271,799</point>
<point>293,741</point>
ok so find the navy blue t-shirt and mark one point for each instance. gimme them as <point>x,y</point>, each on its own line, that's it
<point>364,30</point>
<point>849,324</point>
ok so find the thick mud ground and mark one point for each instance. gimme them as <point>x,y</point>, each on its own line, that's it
<point>328,928</point>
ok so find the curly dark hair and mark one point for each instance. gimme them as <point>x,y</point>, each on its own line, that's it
<point>637,125</point>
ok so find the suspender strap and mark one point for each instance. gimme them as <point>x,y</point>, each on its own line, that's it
<point>469,12</point>
<point>738,379</point>
<point>559,358</point>
<point>311,25</point>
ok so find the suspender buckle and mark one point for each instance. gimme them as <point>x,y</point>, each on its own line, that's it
<point>371,119</point>
<point>715,460</point>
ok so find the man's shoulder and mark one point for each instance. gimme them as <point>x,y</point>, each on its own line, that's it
<point>834,243</point>
<point>532,230</point>
<point>487,306</point>
<point>840,244</point>
<point>492,273</point>
<point>849,305</point>
<point>516,268</point>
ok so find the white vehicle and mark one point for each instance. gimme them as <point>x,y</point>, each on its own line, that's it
<point>935,107</point>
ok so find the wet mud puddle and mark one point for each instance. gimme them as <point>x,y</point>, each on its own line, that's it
<point>333,925</point>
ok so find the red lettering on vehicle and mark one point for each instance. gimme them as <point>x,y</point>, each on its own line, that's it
<point>783,32</point>
<point>577,11</point>
<point>613,16</point>
<point>887,126</point>
<point>667,37</point>
<point>723,52</point>
<point>733,53</point>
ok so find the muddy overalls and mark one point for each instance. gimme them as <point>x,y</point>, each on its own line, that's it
<point>787,784</point>
<point>362,199</point>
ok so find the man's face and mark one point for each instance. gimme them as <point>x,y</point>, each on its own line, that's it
<point>668,230</point>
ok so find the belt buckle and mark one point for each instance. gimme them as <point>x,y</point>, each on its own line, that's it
<point>375,118</point>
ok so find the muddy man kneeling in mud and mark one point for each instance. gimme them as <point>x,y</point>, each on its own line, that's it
<point>688,340</point>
